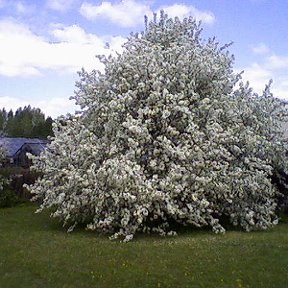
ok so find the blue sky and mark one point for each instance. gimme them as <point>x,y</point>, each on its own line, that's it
<point>44,43</point>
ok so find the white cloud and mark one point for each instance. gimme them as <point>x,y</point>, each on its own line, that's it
<point>26,54</point>
<point>23,8</point>
<point>271,66</point>
<point>257,76</point>
<point>115,43</point>
<point>261,48</point>
<point>130,13</point>
<point>280,88</point>
<point>60,5</point>
<point>75,34</point>
<point>277,62</point>
<point>53,106</point>
<point>16,43</point>
<point>19,7</point>
<point>275,68</point>
<point>181,11</point>
<point>126,13</point>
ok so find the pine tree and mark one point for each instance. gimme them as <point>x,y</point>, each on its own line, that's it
<point>3,121</point>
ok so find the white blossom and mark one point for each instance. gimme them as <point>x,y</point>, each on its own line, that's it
<point>3,181</point>
<point>164,135</point>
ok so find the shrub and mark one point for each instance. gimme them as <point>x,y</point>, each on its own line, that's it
<point>167,132</point>
<point>7,197</point>
<point>20,180</point>
<point>13,180</point>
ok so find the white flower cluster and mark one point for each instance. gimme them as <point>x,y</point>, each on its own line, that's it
<point>2,153</point>
<point>164,135</point>
<point>3,181</point>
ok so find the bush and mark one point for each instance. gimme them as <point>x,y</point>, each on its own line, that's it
<point>165,134</point>
<point>20,180</point>
<point>12,179</point>
<point>7,197</point>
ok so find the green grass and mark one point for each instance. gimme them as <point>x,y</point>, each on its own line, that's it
<point>35,251</point>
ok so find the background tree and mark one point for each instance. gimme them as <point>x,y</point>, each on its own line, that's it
<point>3,121</point>
<point>26,122</point>
<point>165,135</point>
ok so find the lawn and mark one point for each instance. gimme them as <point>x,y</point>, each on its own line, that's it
<point>35,251</point>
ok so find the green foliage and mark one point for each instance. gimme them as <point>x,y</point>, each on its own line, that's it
<point>7,171</point>
<point>8,197</point>
<point>27,122</point>
<point>20,180</point>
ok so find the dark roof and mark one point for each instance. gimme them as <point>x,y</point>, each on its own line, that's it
<point>34,148</point>
<point>12,145</point>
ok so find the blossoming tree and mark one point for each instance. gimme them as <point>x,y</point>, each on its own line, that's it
<point>3,181</point>
<point>168,133</point>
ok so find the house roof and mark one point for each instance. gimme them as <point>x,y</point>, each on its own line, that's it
<point>34,148</point>
<point>12,145</point>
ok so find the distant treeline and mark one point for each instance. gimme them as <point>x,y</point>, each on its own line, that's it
<point>25,122</point>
